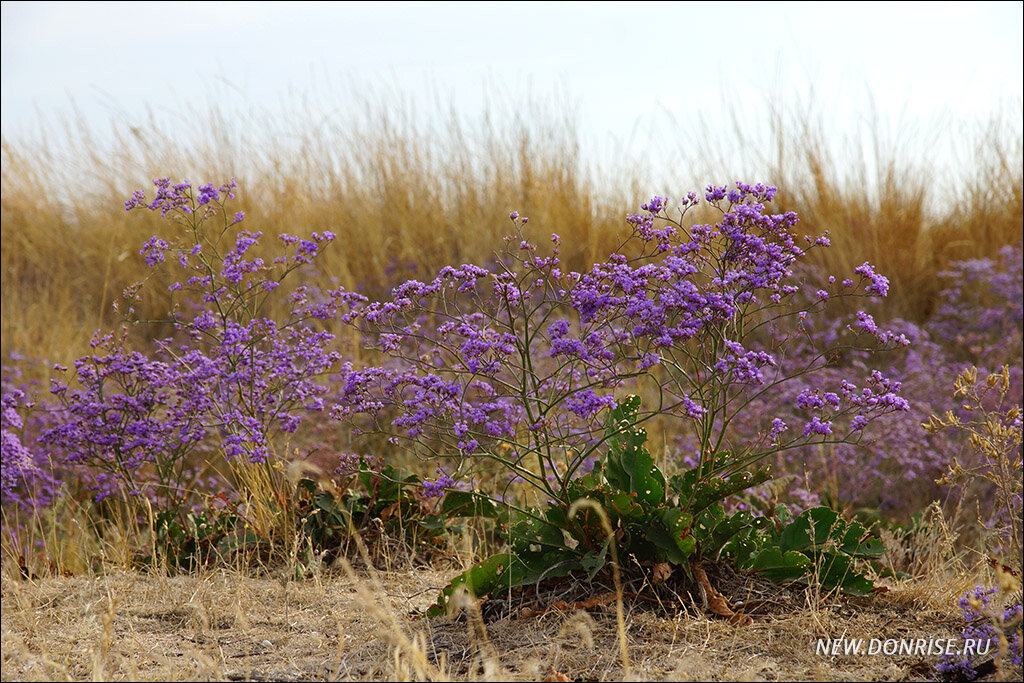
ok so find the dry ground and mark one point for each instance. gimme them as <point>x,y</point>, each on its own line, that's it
<point>350,624</point>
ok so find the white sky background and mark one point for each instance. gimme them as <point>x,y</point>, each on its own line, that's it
<point>638,73</point>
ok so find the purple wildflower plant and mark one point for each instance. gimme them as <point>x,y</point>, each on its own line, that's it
<point>128,419</point>
<point>261,373</point>
<point>992,630</point>
<point>977,321</point>
<point>525,358</point>
<point>29,479</point>
<point>230,378</point>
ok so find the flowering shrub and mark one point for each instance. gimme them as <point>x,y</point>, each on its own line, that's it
<point>231,378</point>
<point>126,412</point>
<point>520,364</point>
<point>28,480</point>
<point>259,371</point>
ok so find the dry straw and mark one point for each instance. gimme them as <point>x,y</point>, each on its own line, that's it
<point>407,194</point>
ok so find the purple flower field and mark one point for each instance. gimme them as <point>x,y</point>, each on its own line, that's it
<point>769,391</point>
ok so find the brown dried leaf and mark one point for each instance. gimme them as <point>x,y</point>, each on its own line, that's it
<point>589,603</point>
<point>386,513</point>
<point>717,602</point>
<point>661,572</point>
<point>594,601</point>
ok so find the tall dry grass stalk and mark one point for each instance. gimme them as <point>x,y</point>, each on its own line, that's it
<point>908,200</point>
<point>407,194</point>
<point>404,199</point>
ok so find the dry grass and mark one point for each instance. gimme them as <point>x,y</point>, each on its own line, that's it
<point>397,194</point>
<point>885,195</point>
<point>406,197</point>
<point>357,625</point>
<point>357,621</point>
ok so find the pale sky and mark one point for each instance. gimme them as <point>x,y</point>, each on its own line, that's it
<point>629,68</point>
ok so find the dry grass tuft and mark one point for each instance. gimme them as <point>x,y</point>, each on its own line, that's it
<point>357,624</point>
<point>406,197</point>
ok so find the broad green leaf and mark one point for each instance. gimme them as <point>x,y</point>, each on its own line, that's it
<point>628,465</point>
<point>812,530</point>
<point>673,550</point>
<point>530,532</point>
<point>671,533</point>
<point>645,479</point>
<point>780,566</point>
<point>833,570</point>
<point>859,543</point>
<point>699,493</point>
<point>723,531</point>
<point>678,522</point>
<point>478,580</point>
<point>392,481</point>
<point>595,560</point>
<point>739,549</point>
<point>325,501</point>
<point>623,505</point>
<point>528,567</point>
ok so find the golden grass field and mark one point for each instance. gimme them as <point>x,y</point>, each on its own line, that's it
<point>399,191</point>
<point>406,198</point>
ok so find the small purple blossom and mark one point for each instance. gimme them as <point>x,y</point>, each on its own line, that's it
<point>866,323</point>
<point>436,489</point>
<point>154,250</point>
<point>879,284</point>
<point>816,426</point>
<point>858,423</point>
<point>778,426</point>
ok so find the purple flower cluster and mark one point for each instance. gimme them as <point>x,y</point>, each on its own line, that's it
<point>18,463</point>
<point>178,199</point>
<point>525,358</point>
<point>126,412</point>
<point>229,379</point>
<point>985,623</point>
<point>436,489</point>
<point>878,284</point>
<point>744,366</point>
